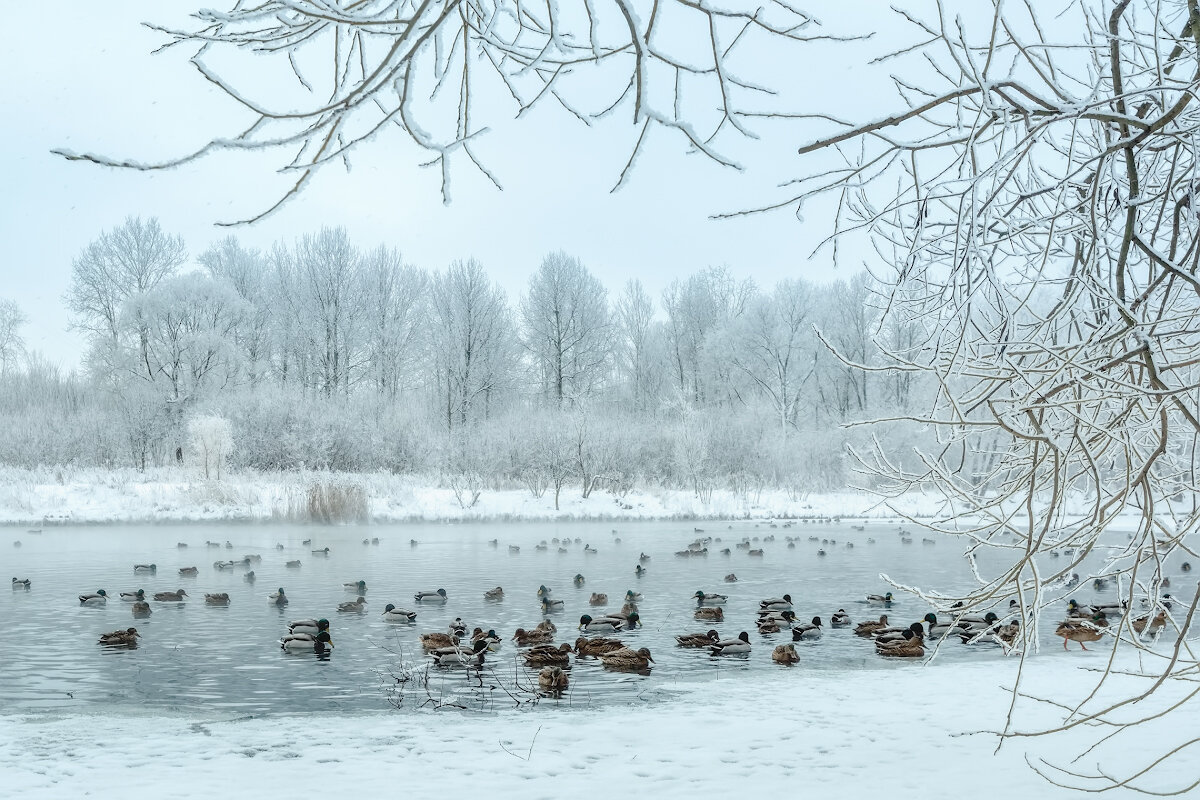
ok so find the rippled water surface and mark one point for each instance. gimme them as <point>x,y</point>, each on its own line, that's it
<point>192,655</point>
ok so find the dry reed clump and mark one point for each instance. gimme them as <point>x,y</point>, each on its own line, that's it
<point>330,502</point>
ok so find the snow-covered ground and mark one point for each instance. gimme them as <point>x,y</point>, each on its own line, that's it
<point>908,732</point>
<point>31,497</point>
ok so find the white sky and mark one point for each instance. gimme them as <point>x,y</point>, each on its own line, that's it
<point>82,77</point>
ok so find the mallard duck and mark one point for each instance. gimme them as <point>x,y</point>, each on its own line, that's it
<point>639,570</point>
<point>783,619</point>
<point>543,592</point>
<point>553,681</point>
<point>1074,609</point>
<point>278,598</point>
<point>1147,625</point>
<point>579,580</point>
<point>457,628</point>
<point>598,599</point>
<point>21,584</point>
<point>880,599</point>
<point>312,642</point>
<point>148,569</point>
<point>908,646</point>
<point>896,634</point>
<point>96,598</point>
<point>868,628</point>
<point>353,606</point>
<point>490,638</point>
<point>188,572</point>
<point>731,578</point>
<point>393,614</point>
<point>633,597</point>
<point>125,638</point>
<point>140,609</point>
<point>313,626</point>
<point>454,655</point>
<point>324,551</point>
<point>713,613</point>
<point>596,646</point>
<point>785,654</point>
<point>1100,584</point>
<point>250,577</point>
<point>434,596</point>
<point>938,629</point>
<point>628,660</point>
<point>295,564</point>
<point>1074,630</point>
<point>776,603</point>
<point>547,625</point>
<point>977,621</point>
<point>217,599</point>
<point>731,646</point>
<point>514,549</point>
<point>807,630</point>
<point>525,638</point>
<point>840,620</point>
<point>224,565</point>
<point>698,639</point>
<point>550,605</point>
<point>600,624</point>
<point>709,599</point>
<point>768,625</point>
<point>494,594</point>
<point>133,597</point>
<point>358,587</point>
<point>432,641</point>
<point>545,655</point>
<point>170,597</point>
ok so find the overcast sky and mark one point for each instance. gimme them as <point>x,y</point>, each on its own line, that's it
<point>84,78</point>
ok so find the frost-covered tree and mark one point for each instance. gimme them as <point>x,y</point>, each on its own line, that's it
<point>395,298</point>
<point>12,345</point>
<point>566,329</point>
<point>696,309</point>
<point>210,438</point>
<point>245,269</point>
<point>638,345</point>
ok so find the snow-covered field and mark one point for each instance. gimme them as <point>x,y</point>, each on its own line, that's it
<point>909,732</point>
<point>58,495</point>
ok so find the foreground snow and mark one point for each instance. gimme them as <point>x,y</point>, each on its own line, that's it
<point>911,731</point>
<point>31,497</point>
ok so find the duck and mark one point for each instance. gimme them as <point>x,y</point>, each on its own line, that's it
<point>639,570</point>
<point>494,594</point>
<point>1003,635</point>
<point>125,638</point>
<point>579,580</point>
<point>643,558</point>
<point>713,613</point>
<point>544,655</point>
<point>224,565</point>
<point>698,639</point>
<point>785,654</point>
<point>300,642</point>
<point>598,599</point>
<point>188,572</point>
<point>840,620</point>
<point>596,646</point>
<point>250,577</point>
<point>550,605</point>
<point>434,596</point>
<point>313,626</point>
<point>353,606</point>
<point>633,597</point>
<point>294,564</point>
<point>514,549</point>
<point>491,638</point>
<point>977,624</point>
<point>600,625</point>
<point>880,599</point>
<point>937,629</point>
<point>149,569</point>
<point>525,638</point>
<point>1075,630</point>
<point>1151,626</point>
<point>807,630</point>
<point>731,646</point>
<point>458,628</point>
<point>896,634</point>
<point>731,578</point>
<point>1100,584</point>
<point>170,597</point>
<point>278,598</point>
<point>868,628</point>
<point>1074,609</point>
<point>709,599</point>
<point>140,609</point>
<point>433,641</point>
<point>553,681</point>
<point>543,592</point>
<point>783,619</point>
<point>133,597</point>
<point>909,645</point>
<point>358,587</point>
<point>768,625</point>
<point>393,614</point>
<point>218,599</point>
<point>96,598</point>
<point>628,660</point>
<point>324,551</point>
<point>776,603</point>
<point>454,655</point>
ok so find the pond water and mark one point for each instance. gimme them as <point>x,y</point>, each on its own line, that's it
<point>194,656</point>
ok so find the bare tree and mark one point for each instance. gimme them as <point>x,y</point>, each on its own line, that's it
<point>430,72</point>
<point>696,308</point>
<point>566,327</point>
<point>635,343</point>
<point>246,271</point>
<point>12,346</point>
<point>1037,193</point>
<point>394,294</point>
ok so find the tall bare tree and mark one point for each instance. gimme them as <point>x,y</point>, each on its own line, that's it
<point>12,345</point>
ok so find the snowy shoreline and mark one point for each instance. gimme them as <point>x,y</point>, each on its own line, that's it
<point>48,496</point>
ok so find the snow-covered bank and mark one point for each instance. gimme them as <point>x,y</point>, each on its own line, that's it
<point>906,732</point>
<point>32,497</point>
